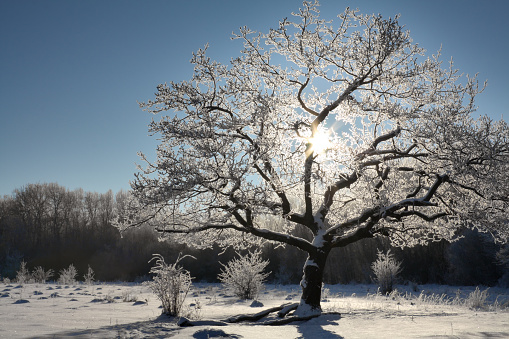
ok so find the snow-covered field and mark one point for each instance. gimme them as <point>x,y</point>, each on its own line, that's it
<point>132,311</point>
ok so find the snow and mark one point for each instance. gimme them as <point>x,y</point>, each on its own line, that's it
<point>319,240</point>
<point>305,310</point>
<point>310,262</point>
<point>55,311</point>
<point>303,283</point>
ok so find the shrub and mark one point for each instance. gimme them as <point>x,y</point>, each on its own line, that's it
<point>89,277</point>
<point>477,299</point>
<point>244,276</point>
<point>23,275</point>
<point>68,275</point>
<point>386,269</point>
<point>171,284</point>
<point>40,275</point>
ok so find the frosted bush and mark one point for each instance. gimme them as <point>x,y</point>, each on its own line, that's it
<point>68,275</point>
<point>89,276</point>
<point>477,299</point>
<point>171,284</point>
<point>386,269</point>
<point>40,275</point>
<point>23,275</point>
<point>244,275</point>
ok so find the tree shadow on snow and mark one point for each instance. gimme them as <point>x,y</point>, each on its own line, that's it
<point>157,328</point>
<point>163,327</point>
<point>314,328</point>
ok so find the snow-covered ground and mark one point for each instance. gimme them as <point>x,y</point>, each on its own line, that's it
<point>132,311</point>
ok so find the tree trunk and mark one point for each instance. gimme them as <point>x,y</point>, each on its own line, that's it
<point>311,283</point>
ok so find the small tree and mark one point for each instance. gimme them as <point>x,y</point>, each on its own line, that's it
<point>40,275</point>
<point>89,276</point>
<point>244,275</point>
<point>23,274</point>
<point>386,269</point>
<point>68,275</point>
<point>171,284</point>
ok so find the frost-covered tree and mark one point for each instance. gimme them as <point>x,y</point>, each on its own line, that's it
<point>89,276</point>
<point>386,269</point>
<point>346,129</point>
<point>68,275</point>
<point>40,275</point>
<point>23,275</point>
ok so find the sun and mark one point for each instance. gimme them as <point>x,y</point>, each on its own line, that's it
<point>320,143</point>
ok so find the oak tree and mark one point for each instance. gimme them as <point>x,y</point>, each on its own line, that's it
<point>345,129</point>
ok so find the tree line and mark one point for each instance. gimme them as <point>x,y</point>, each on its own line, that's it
<point>51,226</point>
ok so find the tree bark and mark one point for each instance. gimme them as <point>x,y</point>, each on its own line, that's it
<point>311,283</point>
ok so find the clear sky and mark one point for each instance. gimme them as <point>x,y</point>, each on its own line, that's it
<point>71,72</point>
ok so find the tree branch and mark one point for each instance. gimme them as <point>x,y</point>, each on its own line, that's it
<point>302,104</point>
<point>430,218</point>
<point>262,233</point>
<point>325,112</point>
<point>371,216</point>
<point>328,197</point>
<point>372,148</point>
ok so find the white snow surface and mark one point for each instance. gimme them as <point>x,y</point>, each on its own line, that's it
<point>305,310</point>
<point>99,311</point>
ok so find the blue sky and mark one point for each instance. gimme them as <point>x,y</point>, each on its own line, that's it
<point>71,72</point>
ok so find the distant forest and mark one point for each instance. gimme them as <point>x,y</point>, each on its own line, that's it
<point>50,226</point>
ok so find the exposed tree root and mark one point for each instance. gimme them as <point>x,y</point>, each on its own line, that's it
<point>282,310</point>
<point>184,322</point>
<point>294,319</point>
<point>288,320</point>
<point>259,315</point>
<point>287,309</point>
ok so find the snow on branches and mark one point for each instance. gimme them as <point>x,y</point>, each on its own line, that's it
<point>405,157</point>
